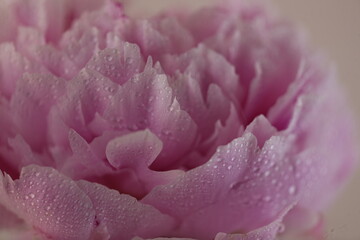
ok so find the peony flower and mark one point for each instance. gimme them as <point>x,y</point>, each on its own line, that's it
<point>218,124</point>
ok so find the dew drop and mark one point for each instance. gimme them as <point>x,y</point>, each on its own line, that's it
<point>109,58</point>
<point>292,190</point>
<point>281,228</point>
<point>267,198</point>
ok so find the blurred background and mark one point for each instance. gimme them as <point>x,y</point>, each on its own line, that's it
<point>334,28</point>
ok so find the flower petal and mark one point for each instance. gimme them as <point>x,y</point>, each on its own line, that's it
<point>154,107</point>
<point>137,151</point>
<point>141,147</point>
<point>34,96</point>
<point>123,216</point>
<point>118,64</point>
<point>241,188</point>
<point>268,232</point>
<point>12,66</point>
<point>12,227</point>
<point>51,203</point>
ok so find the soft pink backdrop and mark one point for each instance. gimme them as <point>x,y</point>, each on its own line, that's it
<point>334,27</point>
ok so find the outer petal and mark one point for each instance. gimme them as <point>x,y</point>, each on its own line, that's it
<point>50,202</point>
<point>268,232</point>
<point>123,216</point>
<point>240,189</point>
<point>326,146</point>
<point>329,154</point>
<point>325,143</point>
<point>303,224</point>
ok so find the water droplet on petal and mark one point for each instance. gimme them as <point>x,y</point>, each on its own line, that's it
<point>281,228</point>
<point>267,198</point>
<point>292,189</point>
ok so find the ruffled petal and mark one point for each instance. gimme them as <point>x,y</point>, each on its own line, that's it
<point>82,162</point>
<point>52,19</point>
<point>268,232</point>
<point>51,203</point>
<point>122,216</point>
<point>12,67</point>
<point>241,188</point>
<point>157,36</point>
<point>207,83</point>
<point>137,151</point>
<point>34,96</point>
<point>87,94</point>
<point>334,139</point>
<point>141,147</point>
<point>119,63</point>
<point>223,127</point>
<point>155,108</point>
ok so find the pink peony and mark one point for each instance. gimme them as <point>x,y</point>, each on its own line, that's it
<point>218,124</point>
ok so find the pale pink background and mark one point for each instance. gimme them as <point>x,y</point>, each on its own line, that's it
<point>334,27</point>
